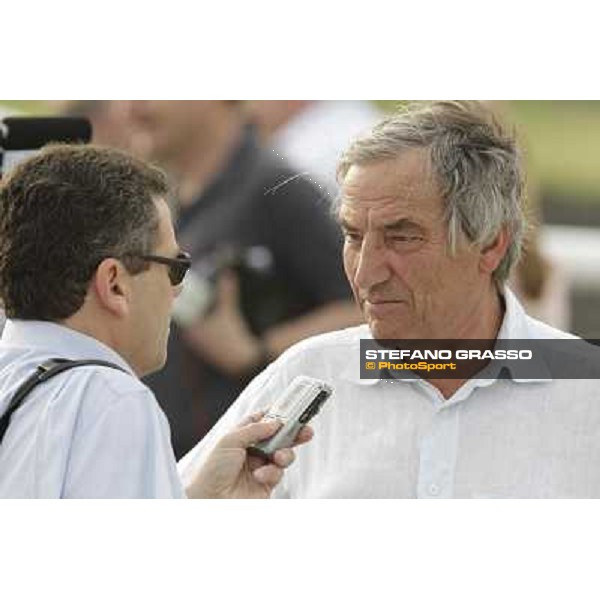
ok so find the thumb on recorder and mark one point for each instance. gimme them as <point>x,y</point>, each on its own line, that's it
<point>231,471</point>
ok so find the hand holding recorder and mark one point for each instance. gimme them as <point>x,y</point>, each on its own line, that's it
<point>249,462</point>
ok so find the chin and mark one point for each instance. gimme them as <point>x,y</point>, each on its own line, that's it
<point>381,331</point>
<point>160,363</point>
<point>156,365</point>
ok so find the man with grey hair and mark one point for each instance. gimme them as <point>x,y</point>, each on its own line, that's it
<point>431,212</point>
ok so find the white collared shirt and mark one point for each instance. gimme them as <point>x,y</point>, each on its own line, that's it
<point>92,432</point>
<point>494,438</point>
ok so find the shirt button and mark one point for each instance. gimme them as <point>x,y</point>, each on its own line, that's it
<point>434,490</point>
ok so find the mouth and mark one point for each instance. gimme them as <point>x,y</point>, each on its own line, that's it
<point>381,307</point>
<point>368,302</point>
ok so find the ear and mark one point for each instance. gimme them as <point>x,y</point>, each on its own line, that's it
<point>492,255</point>
<point>112,286</point>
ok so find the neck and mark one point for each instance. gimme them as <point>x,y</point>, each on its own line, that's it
<point>490,311</point>
<point>484,317</point>
<point>196,166</point>
<point>106,332</point>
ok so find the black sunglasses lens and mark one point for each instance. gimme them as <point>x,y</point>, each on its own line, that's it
<point>176,274</point>
<point>177,270</point>
<point>176,267</point>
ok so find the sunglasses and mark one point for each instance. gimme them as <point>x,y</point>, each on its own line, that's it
<point>178,266</point>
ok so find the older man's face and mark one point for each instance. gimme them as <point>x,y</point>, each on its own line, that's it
<point>396,253</point>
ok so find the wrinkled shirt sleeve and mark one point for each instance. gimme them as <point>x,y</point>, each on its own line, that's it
<point>123,452</point>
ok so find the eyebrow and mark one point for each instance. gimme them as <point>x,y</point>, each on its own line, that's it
<point>345,225</point>
<point>399,225</point>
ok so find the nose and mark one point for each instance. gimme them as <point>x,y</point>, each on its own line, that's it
<point>371,267</point>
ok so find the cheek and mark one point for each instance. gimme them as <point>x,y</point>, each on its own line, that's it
<point>449,278</point>
<point>166,300</point>
<point>422,273</point>
<point>350,259</point>
<point>412,270</point>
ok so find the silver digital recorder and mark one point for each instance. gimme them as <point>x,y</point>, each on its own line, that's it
<point>298,404</point>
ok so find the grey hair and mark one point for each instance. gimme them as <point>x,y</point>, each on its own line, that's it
<point>476,163</point>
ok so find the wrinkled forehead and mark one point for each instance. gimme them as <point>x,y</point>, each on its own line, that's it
<point>403,187</point>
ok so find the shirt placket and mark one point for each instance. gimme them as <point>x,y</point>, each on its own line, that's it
<point>437,454</point>
<point>439,445</point>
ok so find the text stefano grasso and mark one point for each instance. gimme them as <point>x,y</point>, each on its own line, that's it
<point>448,354</point>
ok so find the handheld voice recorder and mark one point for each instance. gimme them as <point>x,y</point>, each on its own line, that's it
<point>298,404</point>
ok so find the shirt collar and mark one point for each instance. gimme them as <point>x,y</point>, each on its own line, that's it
<point>58,341</point>
<point>515,322</point>
<point>515,325</point>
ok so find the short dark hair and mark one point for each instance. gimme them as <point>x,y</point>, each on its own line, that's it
<point>62,212</point>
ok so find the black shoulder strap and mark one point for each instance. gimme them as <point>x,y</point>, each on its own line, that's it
<point>45,371</point>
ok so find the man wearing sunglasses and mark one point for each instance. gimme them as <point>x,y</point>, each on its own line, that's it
<point>89,270</point>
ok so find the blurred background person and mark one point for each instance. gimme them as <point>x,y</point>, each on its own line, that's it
<point>4,112</point>
<point>311,134</point>
<point>239,205</point>
<point>539,282</point>
<point>111,121</point>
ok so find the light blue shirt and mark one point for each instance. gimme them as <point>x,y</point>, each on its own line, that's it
<point>511,437</point>
<point>92,432</point>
